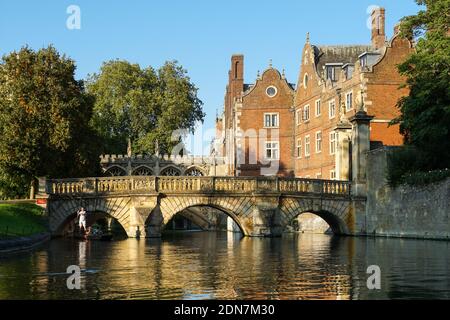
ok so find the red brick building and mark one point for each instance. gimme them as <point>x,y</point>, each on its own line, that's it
<point>312,122</point>
<point>255,130</point>
<point>334,83</point>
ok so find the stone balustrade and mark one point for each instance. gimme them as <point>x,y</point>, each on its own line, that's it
<point>185,184</point>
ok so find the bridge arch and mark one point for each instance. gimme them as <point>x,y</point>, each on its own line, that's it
<point>196,217</point>
<point>337,214</point>
<point>239,209</point>
<point>61,211</point>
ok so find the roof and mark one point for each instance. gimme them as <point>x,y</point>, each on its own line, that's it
<point>338,54</point>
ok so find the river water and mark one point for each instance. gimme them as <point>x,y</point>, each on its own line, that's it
<point>214,265</point>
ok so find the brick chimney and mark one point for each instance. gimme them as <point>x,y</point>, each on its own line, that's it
<point>378,28</point>
<point>236,75</point>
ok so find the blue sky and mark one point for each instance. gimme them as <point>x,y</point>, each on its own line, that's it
<point>201,35</point>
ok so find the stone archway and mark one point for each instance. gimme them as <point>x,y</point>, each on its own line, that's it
<point>240,209</point>
<point>194,171</point>
<point>338,214</point>
<point>170,170</point>
<point>115,170</point>
<point>206,218</point>
<point>142,170</point>
<point>60,211</point>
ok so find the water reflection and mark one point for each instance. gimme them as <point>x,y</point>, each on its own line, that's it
<point>208,265</point>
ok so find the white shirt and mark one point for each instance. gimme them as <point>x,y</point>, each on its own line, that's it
<point>82,215</point>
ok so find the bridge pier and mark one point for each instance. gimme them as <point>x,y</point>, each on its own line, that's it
<point>265,212</point>
<point>155,222</point>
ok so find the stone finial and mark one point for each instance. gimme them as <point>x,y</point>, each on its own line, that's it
<point>270,63</point>
<point>361,103</point>
<point>283,73</point>
<point>258,75</point>
<point>157,148</point>
<point>307,37</point>
<point>343,118</point>
<point>129,148</point>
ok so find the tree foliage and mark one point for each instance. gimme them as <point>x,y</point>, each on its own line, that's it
<point>143,104</point>
<point>44,121</point>
<point>425,113</point>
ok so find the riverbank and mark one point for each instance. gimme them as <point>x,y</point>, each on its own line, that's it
<point>22,226</point>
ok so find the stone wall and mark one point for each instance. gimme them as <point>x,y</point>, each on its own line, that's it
<point>406,211</point>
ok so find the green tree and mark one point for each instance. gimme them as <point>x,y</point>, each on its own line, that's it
<point>425,113</point>
<point>143,104</point>
<point>44,121</point>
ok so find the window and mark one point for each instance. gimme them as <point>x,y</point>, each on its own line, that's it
<point>363,61</point>
<point>306,113</point>
<point>333,138</point>
<point>318,108</point>
<point>331,73</point>
<point>305,80</point>
<point>299,148</point>
<point>332,109</point>
<point>271,91</point>
<point>318,141</point>
<point>271,120</point>
<point>349,101</point>
<point>332,174</point>
<point>348,70</point>
<point>307,147</point>
<point>298,116</point>
<point>272,150</point>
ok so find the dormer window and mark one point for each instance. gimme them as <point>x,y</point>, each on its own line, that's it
<point>368,59</point>
<point>348,70</point>
<point>363,61</point>
<point>330,69</point>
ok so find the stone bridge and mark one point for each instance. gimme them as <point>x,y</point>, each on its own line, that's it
<point>260,206</point>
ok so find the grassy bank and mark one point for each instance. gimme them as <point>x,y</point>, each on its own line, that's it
<point>21,220</point>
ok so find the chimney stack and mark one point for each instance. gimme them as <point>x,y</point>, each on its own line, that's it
<point>378,28</point>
